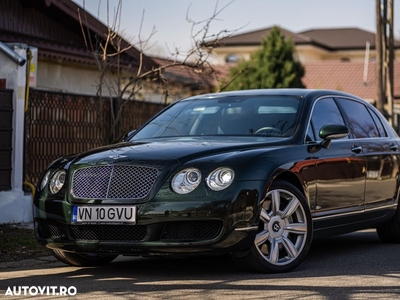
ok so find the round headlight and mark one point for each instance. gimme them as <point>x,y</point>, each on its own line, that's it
<point>186,181</point>
<point>57,181</point>
<point>220,178</point>
<point>45,180</point>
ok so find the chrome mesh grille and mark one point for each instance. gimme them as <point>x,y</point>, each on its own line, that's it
<point>113,182</point>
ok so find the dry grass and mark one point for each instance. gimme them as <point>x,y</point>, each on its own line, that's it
<point>19,243</point>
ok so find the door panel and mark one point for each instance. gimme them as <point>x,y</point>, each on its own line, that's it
<point>382,172</point>
<point>381,156</point>
<point>340,180</point>
<point>340,172</point>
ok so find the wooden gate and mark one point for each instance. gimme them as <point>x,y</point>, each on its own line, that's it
<point>58,124</point>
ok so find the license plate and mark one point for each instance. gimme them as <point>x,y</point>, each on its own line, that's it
<point>104,214</point>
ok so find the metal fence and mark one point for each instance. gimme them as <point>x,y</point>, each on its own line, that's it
<point>58,124</point>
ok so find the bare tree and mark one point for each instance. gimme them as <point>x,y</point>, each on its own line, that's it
<point>122,79</point>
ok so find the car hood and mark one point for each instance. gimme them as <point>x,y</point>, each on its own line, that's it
<point>179,150</point>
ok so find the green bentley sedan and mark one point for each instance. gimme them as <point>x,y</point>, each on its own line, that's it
<point>255,174</point>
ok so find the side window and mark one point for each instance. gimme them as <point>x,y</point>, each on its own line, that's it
<point>360,121</point>
<point>232,58</point>
<point>325,112</point>
<point>378,123</point>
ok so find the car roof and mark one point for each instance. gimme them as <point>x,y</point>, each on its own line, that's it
<point>309,93</point>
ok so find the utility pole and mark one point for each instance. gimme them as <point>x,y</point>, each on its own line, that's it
<point>380,100</point>
<point>384,49</point>
<point>390,66</point>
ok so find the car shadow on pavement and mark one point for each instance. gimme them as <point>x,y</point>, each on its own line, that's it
<point>356,264</point>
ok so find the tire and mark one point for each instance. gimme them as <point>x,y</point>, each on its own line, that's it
<point>284,233</point>
<point>390,232</point>
<point>82,260</point>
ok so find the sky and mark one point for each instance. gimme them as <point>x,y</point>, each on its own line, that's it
<point>165,23</point>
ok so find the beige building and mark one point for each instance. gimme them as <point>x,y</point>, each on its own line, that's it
<point>315,45</point>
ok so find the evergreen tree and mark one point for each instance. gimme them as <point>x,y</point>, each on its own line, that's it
<point>271,66</point>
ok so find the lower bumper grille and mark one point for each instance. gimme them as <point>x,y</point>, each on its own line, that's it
<point>191,230</point>
<point>180,231</point>
<point>107,232</point>
<point>58,232</point>
<point>54,230</point>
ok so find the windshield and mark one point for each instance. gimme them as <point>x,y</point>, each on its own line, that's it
<point>273,116</point>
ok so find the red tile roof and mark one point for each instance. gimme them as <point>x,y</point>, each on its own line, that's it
<point>347,77</point>
<point>334,75</point>
<point>185,74</point>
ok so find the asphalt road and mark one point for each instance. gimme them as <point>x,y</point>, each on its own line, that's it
<point>352,266</point>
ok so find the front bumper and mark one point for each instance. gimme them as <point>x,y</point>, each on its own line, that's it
<point>173,237</point>
<point>163,227</point>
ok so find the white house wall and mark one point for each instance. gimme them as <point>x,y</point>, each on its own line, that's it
<point>15,206</point>
<point>67,78</point>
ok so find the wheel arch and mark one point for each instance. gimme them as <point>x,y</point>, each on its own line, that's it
<point>293,179</point>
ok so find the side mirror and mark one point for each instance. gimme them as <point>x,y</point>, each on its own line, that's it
<point>128,135</point>
<point>330,132</point>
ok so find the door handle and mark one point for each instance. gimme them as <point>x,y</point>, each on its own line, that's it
<point>393,147</point>
<point>356,149</point>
